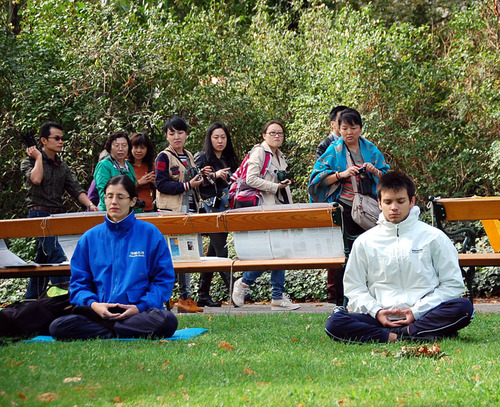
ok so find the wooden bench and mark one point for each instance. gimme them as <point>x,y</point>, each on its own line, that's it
<point>321,215</point>
<point>467,209</point>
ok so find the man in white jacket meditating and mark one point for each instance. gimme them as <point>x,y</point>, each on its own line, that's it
<point>402,278</point>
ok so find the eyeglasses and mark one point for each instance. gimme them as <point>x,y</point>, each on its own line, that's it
<point>275,134</point>
<point>57,138</point>
<point>119,197</point>
<point>120,146</point>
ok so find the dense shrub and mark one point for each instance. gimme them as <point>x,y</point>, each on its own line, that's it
<point>424,75</point>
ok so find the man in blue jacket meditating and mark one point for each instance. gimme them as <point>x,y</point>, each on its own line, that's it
<point>402,278</point>
<point>121,275</point>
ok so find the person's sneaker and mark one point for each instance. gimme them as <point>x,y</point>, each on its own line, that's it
<point>341,309</point>
<point>284,304</point>
<point>187,305</point>
<point>240,289</point>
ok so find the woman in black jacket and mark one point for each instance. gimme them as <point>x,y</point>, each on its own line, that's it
<point>218,153</point>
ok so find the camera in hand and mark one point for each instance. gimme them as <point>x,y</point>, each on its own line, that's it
<point>194,172</point>
<point>365,183</point>
<point>140,203</point>
<point>29,139</point>
<point>283,175</point>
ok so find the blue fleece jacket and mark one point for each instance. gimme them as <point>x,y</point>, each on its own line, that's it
<point>126,262</point>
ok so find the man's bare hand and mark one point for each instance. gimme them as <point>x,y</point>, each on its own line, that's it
<point>386,317</point>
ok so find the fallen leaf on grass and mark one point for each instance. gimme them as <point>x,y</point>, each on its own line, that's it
<point>72,379</point>
<point>294,339</point>
<point>246,370</point>
<point>433,351</point>
<point>47,397</point>
<point>225,345</point>
<point>22,396</point>
<point>181,377</point>
<point>385,352</point>
<point>14,363</point>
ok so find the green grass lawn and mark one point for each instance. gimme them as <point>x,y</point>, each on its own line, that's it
<point>255,360</point>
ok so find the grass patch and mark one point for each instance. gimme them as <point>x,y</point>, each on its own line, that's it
<point>256,360</point>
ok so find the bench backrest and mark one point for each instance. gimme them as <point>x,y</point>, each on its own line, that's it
<point>231,221</point>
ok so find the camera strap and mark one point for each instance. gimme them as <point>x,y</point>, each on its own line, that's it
<point>351,164</point>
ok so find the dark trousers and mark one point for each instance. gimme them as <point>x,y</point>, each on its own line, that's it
<point>334,284</point>
<point>442,321</point>
<point>49,251</point>
<point>152,322</point>
<point>216,248</point>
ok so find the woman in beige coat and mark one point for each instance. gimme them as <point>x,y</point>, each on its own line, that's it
<point>274,189</point>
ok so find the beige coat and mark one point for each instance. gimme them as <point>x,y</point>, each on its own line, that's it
<point>267,186</point>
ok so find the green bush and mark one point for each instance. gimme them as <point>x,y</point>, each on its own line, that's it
<point>424,75</point>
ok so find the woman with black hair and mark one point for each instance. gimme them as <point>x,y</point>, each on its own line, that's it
<point>142,158</point>
<point>118,146</point>
<point>121,275</point>
<point>177,182</point>
<point>219,156</point>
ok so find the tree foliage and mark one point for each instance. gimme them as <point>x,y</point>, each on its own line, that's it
<point>426,84</point>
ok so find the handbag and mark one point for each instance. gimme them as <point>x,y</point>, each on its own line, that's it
<point>365,209</point>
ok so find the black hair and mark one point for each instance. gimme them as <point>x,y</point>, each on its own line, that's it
<point>175,123</point>
<point>397,181</point>
<point>113,137</point>
<point>335,111</point>
<point>228,153</point>
<point>266,126</point>
<point>350,116</point>
<point>126,182</point>
<point>141,139</point>
<point>45,129</point>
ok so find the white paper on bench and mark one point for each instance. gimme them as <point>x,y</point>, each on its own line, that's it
<point>304,243</point>
<point>9,259</point>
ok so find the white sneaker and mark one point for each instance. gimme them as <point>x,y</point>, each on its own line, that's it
<point>240,290</point>
<point>284,304</point>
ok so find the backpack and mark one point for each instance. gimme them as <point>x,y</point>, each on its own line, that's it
<point>239,191</point>
<point>28,318</point>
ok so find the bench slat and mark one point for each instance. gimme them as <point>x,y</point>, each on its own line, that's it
<point>176,223</point>
<point>475,208</point>
<point>196,266</point>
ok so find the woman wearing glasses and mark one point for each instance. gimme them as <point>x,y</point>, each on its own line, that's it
<point>274,189</point>
<point>119,287</point>
<point>118,146</point>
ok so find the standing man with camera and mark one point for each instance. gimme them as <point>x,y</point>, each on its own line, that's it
<point>47,177</point>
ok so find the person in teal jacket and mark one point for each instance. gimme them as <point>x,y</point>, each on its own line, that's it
<point>121,275</point>
<point>118,146</point>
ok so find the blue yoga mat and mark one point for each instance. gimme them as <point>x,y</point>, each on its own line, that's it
<point>186,333</point>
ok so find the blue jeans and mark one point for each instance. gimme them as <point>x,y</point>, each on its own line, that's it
<point>49,251</point>
<point>277,281</point>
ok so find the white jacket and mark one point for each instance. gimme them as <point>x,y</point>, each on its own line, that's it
<point>408,263</point>
<point>267,186</point>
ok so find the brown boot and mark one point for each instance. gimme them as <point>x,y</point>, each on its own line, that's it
<point>187,305</point>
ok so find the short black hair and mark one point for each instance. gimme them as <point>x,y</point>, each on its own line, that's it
<point>350,116</point>
<point>45,129</point>
<point>175,123</point>
<point>113,137</point>
<point>397,181</point>
<point>335,111</point>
